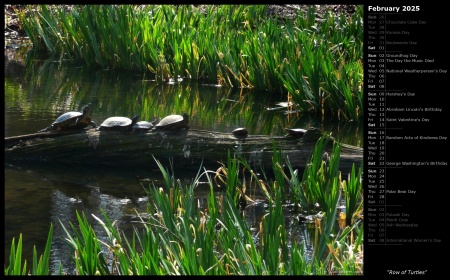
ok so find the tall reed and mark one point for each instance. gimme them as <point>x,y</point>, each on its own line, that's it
<point>40,266</point>
<point>178,236</point>
<point>318,63</point>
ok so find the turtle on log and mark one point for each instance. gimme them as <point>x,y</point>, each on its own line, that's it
<point>174,122</point>
<point>240,132</point>
<point>143,126</point>
<point>72,120</point>
<point>118,123</point>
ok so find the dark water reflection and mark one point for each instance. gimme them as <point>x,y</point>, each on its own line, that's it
<point>39,194</point>
<point>36,196</point>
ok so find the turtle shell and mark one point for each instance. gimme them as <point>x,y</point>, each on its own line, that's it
<point>118,123</point>
<point>297,132</point>
<point>240,132</point>
<point>67,118</point>
<point>72,120</point>
<point>174,122</point>
<point>143,125</point>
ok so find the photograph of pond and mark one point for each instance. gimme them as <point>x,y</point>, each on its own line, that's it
<point>184,140</point>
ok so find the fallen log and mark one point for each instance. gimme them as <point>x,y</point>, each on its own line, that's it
<point>184,148</point>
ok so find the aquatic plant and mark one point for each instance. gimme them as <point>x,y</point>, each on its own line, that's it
<point>318,64</point>
<point>40,266</point>
<point>179,237</point>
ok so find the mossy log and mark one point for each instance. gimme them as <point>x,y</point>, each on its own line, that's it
<point>183,148</point>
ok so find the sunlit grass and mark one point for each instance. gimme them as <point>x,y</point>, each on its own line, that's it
<point>319,63</point>
<point>178,237</point>
<point>40,266</point>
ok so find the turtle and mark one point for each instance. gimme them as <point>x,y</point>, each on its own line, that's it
<point>173,122</point>
<point>72,120</point>
<point>142,126</point>
<point>240,132</point>
<point>309,134</point>
<point>296,132</point>
<point>118,123</point>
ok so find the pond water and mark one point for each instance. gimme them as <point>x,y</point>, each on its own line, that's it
<point>37,194</point>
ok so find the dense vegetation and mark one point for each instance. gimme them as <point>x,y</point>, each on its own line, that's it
<point>178,238</point>
<point>317,62</point>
